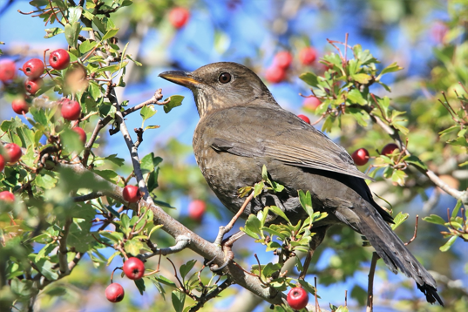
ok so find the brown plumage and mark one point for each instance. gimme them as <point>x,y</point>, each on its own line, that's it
<point>242,128</point>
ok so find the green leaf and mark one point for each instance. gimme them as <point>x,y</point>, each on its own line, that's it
<point>308,287</point>
<point>110,33</point>
<point>258,188</point>
<point>165,280</point>
<point>116,160</point>
<point>252,226</point>
<point>45,181</point>
<point>448,244</point>
<point>87,46</point>
<point>175,100</point>
<point>140,284</point>
<point>389,69</point>
<point>399,219</point>
<point>280,213</point>
<point>46,269</point>
<point>149,163</point>
<point>265,173</point>
<point>113,236</point>
<point>306,202</point>
<point>362,78</point>
<point>74,14</point>
<point>456,209</point>
<point>133,246</point>
<point>355,96</point>
<point>72,32</point>
<point>178,300</point>
<point>185,268</point>
<point>309,78</point>
<point>51,32</point>
<point>147,112</point>
<point>152,181</point>
<point>399,177</point>
<point>436,219</point>
<point>415,161</point>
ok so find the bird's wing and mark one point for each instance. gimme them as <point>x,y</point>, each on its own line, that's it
<point>280,135</point>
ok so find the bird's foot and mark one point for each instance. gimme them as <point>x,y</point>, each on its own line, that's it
<point>226,245</point>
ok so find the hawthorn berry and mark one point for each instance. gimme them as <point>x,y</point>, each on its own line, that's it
<point>59,59</point>
<point>134,268</point>
<point>33,85</point>
<point>311,103</point>
<point>7,196</point>
<point>283,59</point>
<point>179,17</point>
<point>360,156</point>
<point>14,153</point>
<point>7,70</point>
<point>81,134</point>
<point>304,117</point>
<point>33,68</point>
<point>389,148</point>
<point>20,106</point>
<point>2,163</point>
<point>71,110</point>
<point>307,55</point>
<point>131,193</point>
<point>197,209</point>
<point>298,298</point>
<point>115,292</point>
<point>275,74</point>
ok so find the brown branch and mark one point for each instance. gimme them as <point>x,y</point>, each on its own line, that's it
<point>415,232</point>
<point>202,247</point>
<point>370,285</point>
<point>62,252</point>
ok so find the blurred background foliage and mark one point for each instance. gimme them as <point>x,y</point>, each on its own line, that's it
<point>427,38</point>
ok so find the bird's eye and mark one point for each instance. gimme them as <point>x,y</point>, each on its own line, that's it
<point>225,77</point>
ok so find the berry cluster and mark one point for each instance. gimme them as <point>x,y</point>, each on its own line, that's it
<point>361,156</point>
<point>134,269</point>
<point>283,60</point>
<point>34,71</point>
<point>12,154</point>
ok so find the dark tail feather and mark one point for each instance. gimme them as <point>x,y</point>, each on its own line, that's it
<point>392,250</point>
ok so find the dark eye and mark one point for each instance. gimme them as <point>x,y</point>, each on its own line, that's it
<point>225,77</point>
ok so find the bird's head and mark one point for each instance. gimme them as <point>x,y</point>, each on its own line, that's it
<point>222,85</point>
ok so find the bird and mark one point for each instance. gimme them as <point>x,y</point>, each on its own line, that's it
<point>242,128</point>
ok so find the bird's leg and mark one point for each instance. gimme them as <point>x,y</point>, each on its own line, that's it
<point>225,229</point>
<point>305,267</point>
<point>227,248</point>
<point>313,244</point>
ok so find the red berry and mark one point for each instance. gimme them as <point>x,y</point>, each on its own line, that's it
<point>81,134</point>
<point>134,268</point>
<point>2,163</point>
<point>307,56</point>
<point>283,59</point>
<point>298,298</point>
<point>275,74</point>
<point>360,157</point>
<point>311,103</point>
<point>33,85</point>
<point>304,117</point>
<point>389,148</point>
<point>7,70</point>
<point>197,209</point>
<point>131,193</point>
<point>33,68</point>
<point>179,17</point>
<point>20,106</point>
<point>71,110</point>
<point>438,32</point>
<point>115,292</point>
<point>14,153</point>
<point>59,59</point>
<point>7,196</point>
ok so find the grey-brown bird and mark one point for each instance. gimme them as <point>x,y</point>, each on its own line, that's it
<point>242,128</point>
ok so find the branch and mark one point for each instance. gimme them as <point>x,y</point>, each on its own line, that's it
<point>370,286</point>
<point>199,245</point>
<point>182,242</point>
<point>62,252</point>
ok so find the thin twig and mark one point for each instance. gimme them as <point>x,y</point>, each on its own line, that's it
<point>415,232</point>
<point>370,285</point>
